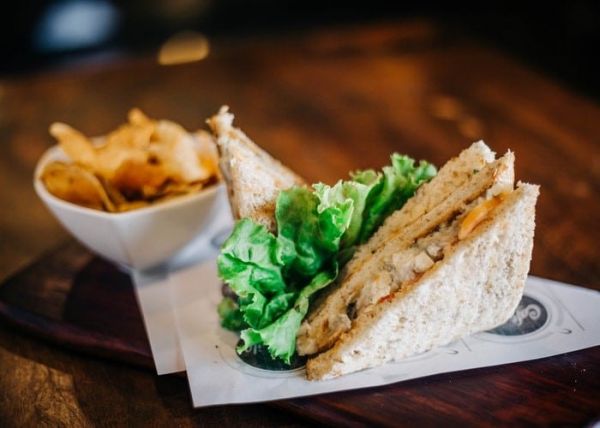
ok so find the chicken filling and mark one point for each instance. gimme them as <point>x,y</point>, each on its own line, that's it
<point>407,266</point>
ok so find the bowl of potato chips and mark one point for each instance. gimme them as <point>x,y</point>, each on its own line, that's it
<point>135,196</point>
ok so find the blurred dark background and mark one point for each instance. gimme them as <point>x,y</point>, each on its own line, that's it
<point>561,39</point>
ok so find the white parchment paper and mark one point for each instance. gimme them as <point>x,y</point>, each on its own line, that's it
<point>154,296</point>
<point>552,319</point>
<point>154,300</point>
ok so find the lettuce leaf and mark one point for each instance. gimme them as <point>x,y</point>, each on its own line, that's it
<point>280,336</point>
<point>310,229</point>
<point>275,277</point>
<point>391,189</point>
<point>249,262</point>
<point>249,257</point>
<point>230,314</point>
<point>352,194</point>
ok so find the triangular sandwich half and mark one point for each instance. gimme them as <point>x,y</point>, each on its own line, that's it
<point>457,269</point>
<point>395,252</point>
<point>253,177</point>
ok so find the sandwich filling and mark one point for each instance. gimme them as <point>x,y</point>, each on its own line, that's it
<point>407,266</point>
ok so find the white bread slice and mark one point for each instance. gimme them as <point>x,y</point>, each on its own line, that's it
<point>452,175</point>
<point>476,287</point>
<point>253,177</point>
<point>371,275</point>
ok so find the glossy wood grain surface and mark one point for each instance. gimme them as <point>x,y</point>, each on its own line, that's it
<point>325,102</point>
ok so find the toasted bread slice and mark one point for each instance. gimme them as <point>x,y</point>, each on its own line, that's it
<point>387,260</point>
<point>476,286</point>
<point>455,172</point>
<point>253,177</point>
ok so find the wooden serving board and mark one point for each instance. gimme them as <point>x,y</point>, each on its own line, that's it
<point>76,300</point>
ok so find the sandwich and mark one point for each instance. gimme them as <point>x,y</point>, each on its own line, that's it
<point>253,177</point>
<point>377,268</point>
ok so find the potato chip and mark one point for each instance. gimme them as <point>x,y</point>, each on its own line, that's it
<point>74,144</point>
<point>129,206</point>
<point>114,194</point>
<point>137,118</point>
<point>181,188</point>
<point>208,154</point>
<point>74,184</point>
<point>126,144</point>
<point>139,179</point>
<point>141,162</point>
<point>174,148</point>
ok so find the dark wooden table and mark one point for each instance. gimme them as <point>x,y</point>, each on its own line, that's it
<point>325,102</point>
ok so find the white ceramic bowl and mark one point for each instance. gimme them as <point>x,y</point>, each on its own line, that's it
<point>140,238</point>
